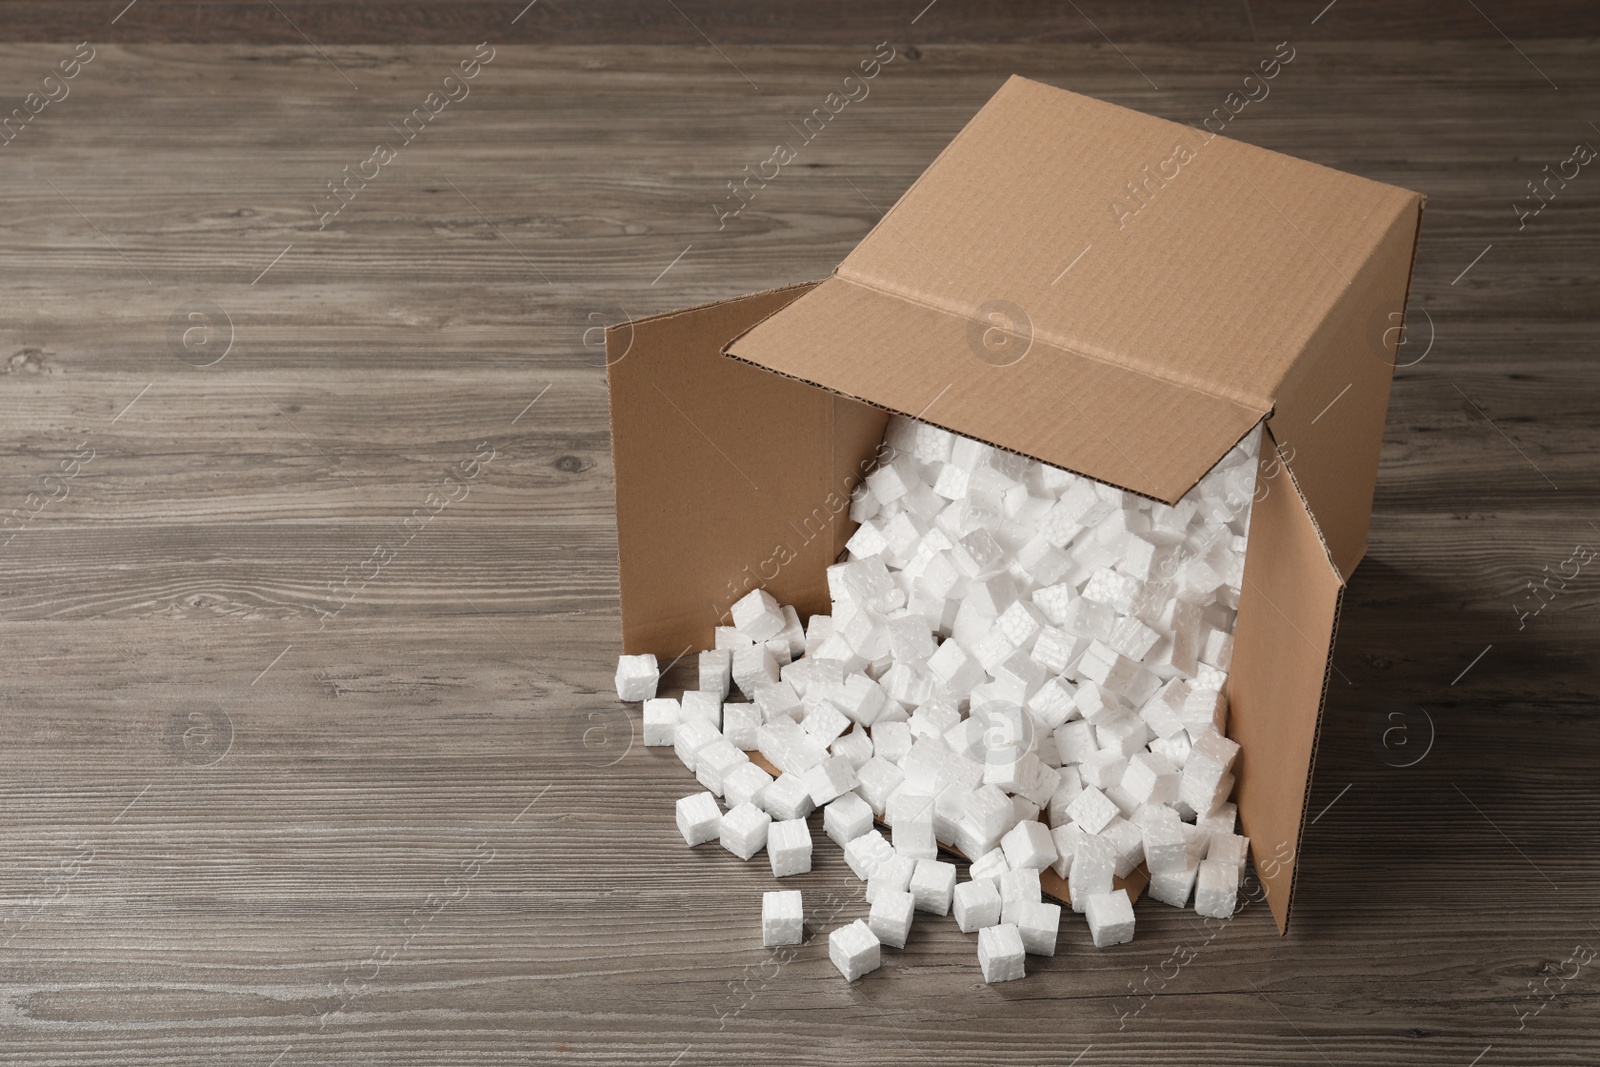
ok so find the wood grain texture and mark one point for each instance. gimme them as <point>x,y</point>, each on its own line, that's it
<point>268,802</point>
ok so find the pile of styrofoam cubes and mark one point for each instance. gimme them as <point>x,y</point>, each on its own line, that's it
<point>1021,664</point>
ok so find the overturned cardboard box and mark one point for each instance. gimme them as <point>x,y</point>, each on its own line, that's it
<point>1105,291</point>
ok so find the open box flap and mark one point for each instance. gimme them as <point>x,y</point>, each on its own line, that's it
<point>1122,253</point>
<point>1282,659</point>
<point>1053,404</point>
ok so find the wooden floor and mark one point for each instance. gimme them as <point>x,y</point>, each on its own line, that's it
<point>276,795</point>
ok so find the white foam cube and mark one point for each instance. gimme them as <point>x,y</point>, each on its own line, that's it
<point>1093,865</point>
<point>782,918</point>
<point>637,677</point>
<point>1151,779</point>
<point>741,725</point>
<point>891,740</point>
<point>778,698</point>
<point>1028,844</point>
<point>690,738</point>
<point>754,667</point>
<point>830,778</point>
<point>696,704</point>
<point>787,798</point>
<point>876,780</point>
<point>744,830</point>
<point>890,918</point>
<point>758,616</point>
<point>699,819</point>
<point>729,639</point>
<point>1174,887</point>
<point>746,784</point>
<point>1126,838</point>
<point>1065,837</point>
<point>976,905</point>
<point>787,746</point>
<point>716,671</point>
<point>660,721</point>
<point>1020,885</point>
<point>1110,917</point>
<point>1092,810</point>
<point>1216,890</point>
<point>1001,953</point>
<point>1038,923</point>
<point>855,950</point>
<point>825,723</point>
<point>1166,848</point>
<point>793,632</point>
<point>846,818</point>
<point>933,883</point>
<point>893,873</point>
<point>865,853</point>
<point>955,668</point>
<point>789,847</point>
<point>715,762</point>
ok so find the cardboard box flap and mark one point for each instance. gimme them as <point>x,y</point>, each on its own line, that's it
<point>1098,418</point>
<point>1282,658</point>
<point>1093,234</point>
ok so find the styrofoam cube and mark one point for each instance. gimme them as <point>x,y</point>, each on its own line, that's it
<point>855,950</point>
<point>754,667</point>
<point>910,818</point>
<point>1001,953</point>
<point>1019,885</point>
<point>825,723</point>
<point>699,819</point>
<point>830,778</point>
<point>1165,844</point>
<point>787,798</point>
<point>782,918</point>
<point>789,847</point>
<point>1028,844</point>
<point>891,740</point>
<point>637,677</point>
<point>890,918</point>
<point>1151,779</point>
<point>1092,810</point>
<point>1216,889</point>
<point>1038,922</point>
<point>991,864</point>
<point>1110,917</point>
<point>660,721</point>
<point>846,818</point>
<point>729,639</point>
<point>690,738</point>
<point>1093,865</point>
<point>1228,848</point>
<point>758,616</point>
<point>787,746</point>
<point>933,883</point>
<point>696,704</point>
<point>778,698</point>
<point>744,830</point>
<point>716,671</point>
<point>893,873</point>
<point>715,762</point>
<point>741,725</point>
<point>746,784</point>
<point>976,905</point>
<point>1174,887</point>
<point>1065,837</point>
<point>876,780</point>
<point>865,853</point>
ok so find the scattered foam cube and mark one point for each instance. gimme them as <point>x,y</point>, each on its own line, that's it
<point>715,762</point>
<point>758,616</point>
<point>855,950</point>
<point>910,818</point>
<point>637,677</point>
<point>1228,848</point>
<point>788,847</point>
<point>1216,889</point>
<point>1001,953</point>
<point>890,919</point>
<point>991,864</point>
<point>876,781</point>
<point>893,873</point>
<point>744,830</point>
<point>699,819</point>
<point>754,667</point>
<point>741,725</point>
<point>891,740</point>
<point>865,853</point>
<point>976,905</point>
<point>746,784</point>
<point>933,883</point>
<point>831,778</point>
<point>690,738</point>
<point>846,818</point>
<point>660,721</point>
<point>1094,863</point>
<point>1174,887</point>
<point>1166,846</point>
<point>1028,844</point>
<point>1151,779</point>
<point>1038,923</point>
<point>788,797</point>
<point>716,671</point>
<point>1092,810</point>
<point>1110,917</point>
<point>782,918</point>
<point>1020,886</point>
<point>695,704</point>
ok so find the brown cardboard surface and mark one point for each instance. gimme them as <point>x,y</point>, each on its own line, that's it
<point>1282,653</point>
<point>728,478</point>
<point>1057,405</point>
<point>1213,287</point>
<point>1331,407</point>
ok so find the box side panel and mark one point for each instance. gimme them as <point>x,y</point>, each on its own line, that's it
<point>723,476</point>
<point>987,380</point>
<point>1331,406</point>
<point>1283,644</point>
